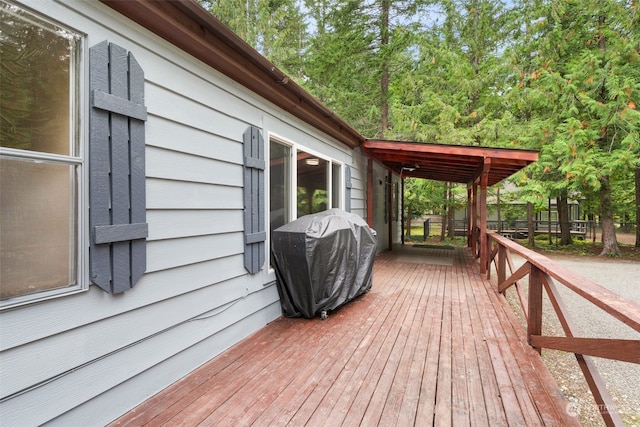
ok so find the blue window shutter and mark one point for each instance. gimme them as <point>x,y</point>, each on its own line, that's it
<point>348,187</point>
<point>117,204</point>
<point>254,203</point>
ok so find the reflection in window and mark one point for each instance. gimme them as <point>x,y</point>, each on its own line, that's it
<point>312,184</point>
<point>37,81</point>
<point>39,162</point>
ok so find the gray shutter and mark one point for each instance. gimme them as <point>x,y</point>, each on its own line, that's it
<point>117,195</point>
<point>254,204</point>
<point>348,187</point>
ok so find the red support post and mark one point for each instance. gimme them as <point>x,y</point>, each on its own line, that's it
<point>502,264</point>
<point>484,246</point>
<point>469,213</point>
<point>370,207</point>
<point>474,219</point>
<point>389,202</point>
<point>534,321</point>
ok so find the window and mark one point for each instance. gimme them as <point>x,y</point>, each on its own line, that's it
<point>40,156</point>
<point>312,184</point>
<point>317,182</point>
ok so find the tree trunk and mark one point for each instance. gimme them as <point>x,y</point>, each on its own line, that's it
<point>384,79</point>
<point>563,218</point>
<point>609,240</point>
<point>638,207</point>
<point>531,230</point>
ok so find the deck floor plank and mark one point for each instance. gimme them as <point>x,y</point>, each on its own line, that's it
<point>431,344</point>
<point>382,376</point>
<point>403,390</point>
<point>359,375</point>
<point>317,407</point>
<point>443,384</point>
<point>427,394</point>
<point>336,355</point>
<point>484,384</point>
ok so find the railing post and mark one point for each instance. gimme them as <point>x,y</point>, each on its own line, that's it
<point>502,263</point>
<point>469,213</point>
<point>489,251</point>
<point>534,321</point>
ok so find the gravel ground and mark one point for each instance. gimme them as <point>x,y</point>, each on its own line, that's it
<point>622,379</point>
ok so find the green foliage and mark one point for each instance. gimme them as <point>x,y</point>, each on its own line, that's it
<point>34,82</point>
<point>452,93</point>
<point>577,80</point>
<point>356,48</point>
<point>561,77</point>
<point>421,196</point>
<point>275,28</point>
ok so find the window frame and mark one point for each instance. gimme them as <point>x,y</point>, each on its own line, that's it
<point>79,160</point>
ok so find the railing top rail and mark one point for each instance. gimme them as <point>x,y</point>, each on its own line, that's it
<point>625,310</point>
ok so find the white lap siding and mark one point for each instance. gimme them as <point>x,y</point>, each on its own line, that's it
<point>87,358</point>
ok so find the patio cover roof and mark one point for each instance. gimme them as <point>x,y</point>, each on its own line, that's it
<point>451,163</point>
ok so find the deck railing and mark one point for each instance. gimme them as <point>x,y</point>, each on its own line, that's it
<point>544,274</point>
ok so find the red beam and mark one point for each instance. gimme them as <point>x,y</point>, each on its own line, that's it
<point>459,150</point>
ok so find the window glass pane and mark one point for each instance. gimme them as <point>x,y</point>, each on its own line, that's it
<point>279,179</point>
<point>312,184</point>
<point>37,83</point>
<point>38,224</point>
<point>336,186</point>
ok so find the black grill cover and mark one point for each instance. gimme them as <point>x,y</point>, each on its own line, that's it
<point>322,261</point>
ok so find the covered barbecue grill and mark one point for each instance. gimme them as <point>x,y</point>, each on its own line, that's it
<point>322,261</point>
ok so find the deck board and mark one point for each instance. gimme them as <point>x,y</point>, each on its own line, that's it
<point>432,343</point>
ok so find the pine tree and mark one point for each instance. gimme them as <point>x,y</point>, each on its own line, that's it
<point>275,28</point>
<point>452,94</point>
<point>358,51</point>
<point>595,77</point>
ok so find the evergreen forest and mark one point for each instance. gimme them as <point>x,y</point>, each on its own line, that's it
<point>558,76</point>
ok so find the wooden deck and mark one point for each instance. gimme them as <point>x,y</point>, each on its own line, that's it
<point>430,344</point>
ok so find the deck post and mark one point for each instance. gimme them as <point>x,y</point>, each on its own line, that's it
<point>502,263</point>
<point>534,321</point>
<point>370,208</point>
<point>402,222</point>
<point>474,219</point>
<point>389,203</point>
<point>469,207</point>
<point>484,244</point>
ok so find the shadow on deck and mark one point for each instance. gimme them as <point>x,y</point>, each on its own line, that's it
<point>432,343</point>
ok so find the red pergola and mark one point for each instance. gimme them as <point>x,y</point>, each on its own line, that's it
<point>475,166</point>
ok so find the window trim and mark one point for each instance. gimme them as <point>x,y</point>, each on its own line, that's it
<point>79,133</point>
<point>341,184</point>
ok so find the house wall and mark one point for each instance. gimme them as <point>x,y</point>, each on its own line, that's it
<point>359,181</point>
<point>87,358</point>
